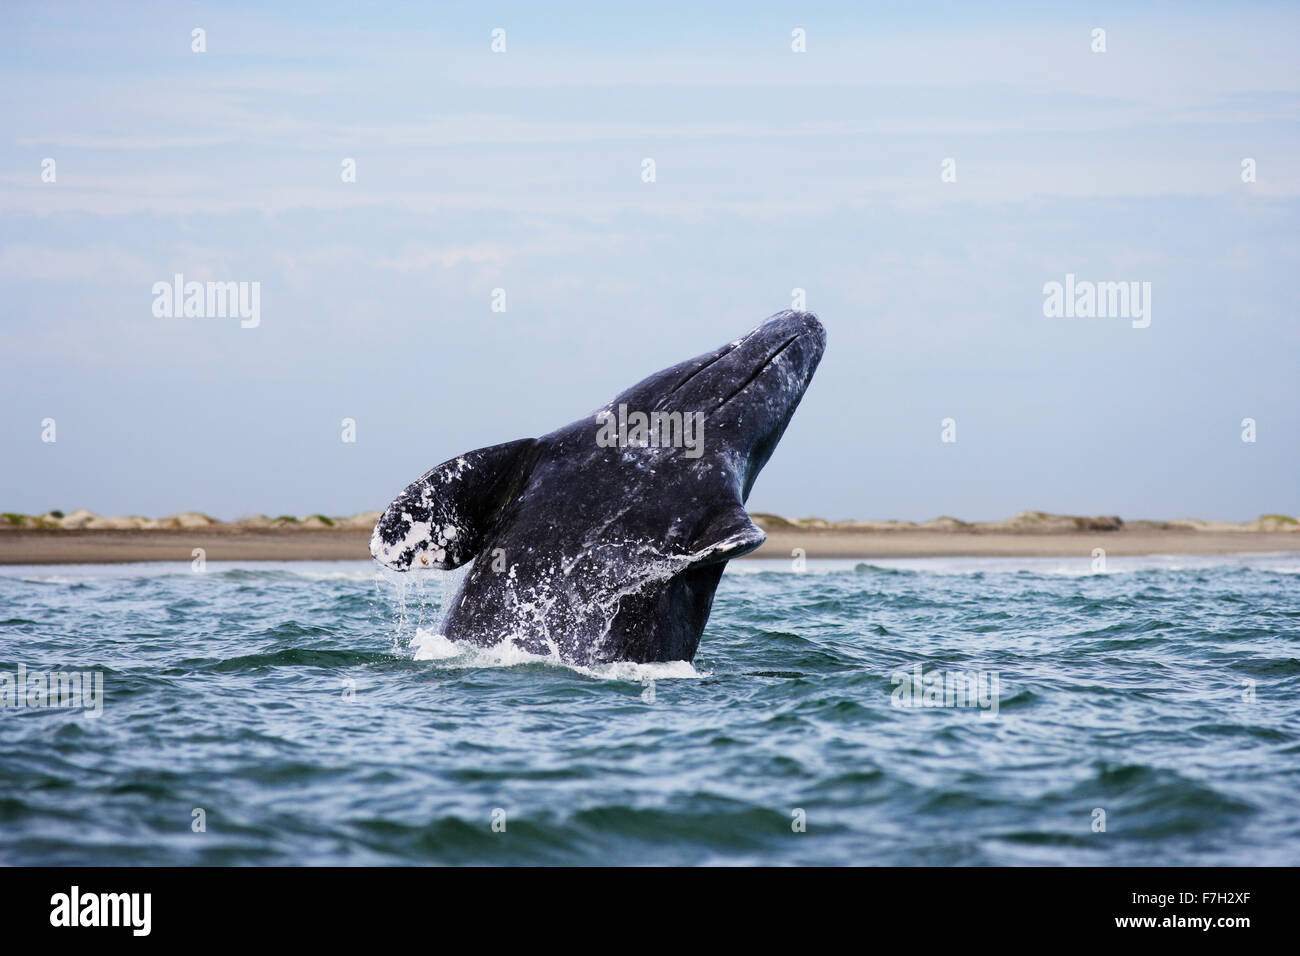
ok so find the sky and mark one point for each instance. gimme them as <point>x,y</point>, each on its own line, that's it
<point>919,171</point>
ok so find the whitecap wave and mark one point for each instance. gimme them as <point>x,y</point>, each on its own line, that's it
<point>429,645</point>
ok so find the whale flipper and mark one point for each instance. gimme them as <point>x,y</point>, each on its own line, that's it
<point>444,517</point>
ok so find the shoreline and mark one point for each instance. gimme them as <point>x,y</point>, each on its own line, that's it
<point>338,544</point>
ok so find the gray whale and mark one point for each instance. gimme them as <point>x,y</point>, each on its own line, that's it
<point>604,540</point>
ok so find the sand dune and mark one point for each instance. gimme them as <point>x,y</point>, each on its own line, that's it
<point>83,520</point>
<point>1029,522</point>
<point>84,537</point>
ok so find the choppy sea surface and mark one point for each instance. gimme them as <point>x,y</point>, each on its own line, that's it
<point>308,713</point>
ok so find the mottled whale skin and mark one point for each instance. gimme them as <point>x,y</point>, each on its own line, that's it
<point>598,554</point>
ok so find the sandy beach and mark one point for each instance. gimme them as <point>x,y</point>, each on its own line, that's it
<point>923,544</point>
<point>84,538</point>
<point>111,547</point>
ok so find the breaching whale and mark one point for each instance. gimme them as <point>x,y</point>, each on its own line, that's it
<point>604,540</point>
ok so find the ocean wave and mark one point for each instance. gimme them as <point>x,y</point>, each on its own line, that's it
<point>319,716</point>
<point>429,645</point>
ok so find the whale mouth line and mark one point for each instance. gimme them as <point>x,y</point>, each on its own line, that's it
<point>757,372</point>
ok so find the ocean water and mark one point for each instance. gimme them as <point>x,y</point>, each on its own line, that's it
<point>309,714</point>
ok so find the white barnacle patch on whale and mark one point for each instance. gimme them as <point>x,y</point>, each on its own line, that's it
<point>417,533</point>
<point>437,521</point>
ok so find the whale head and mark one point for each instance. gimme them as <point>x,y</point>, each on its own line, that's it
<point>744,394</point>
